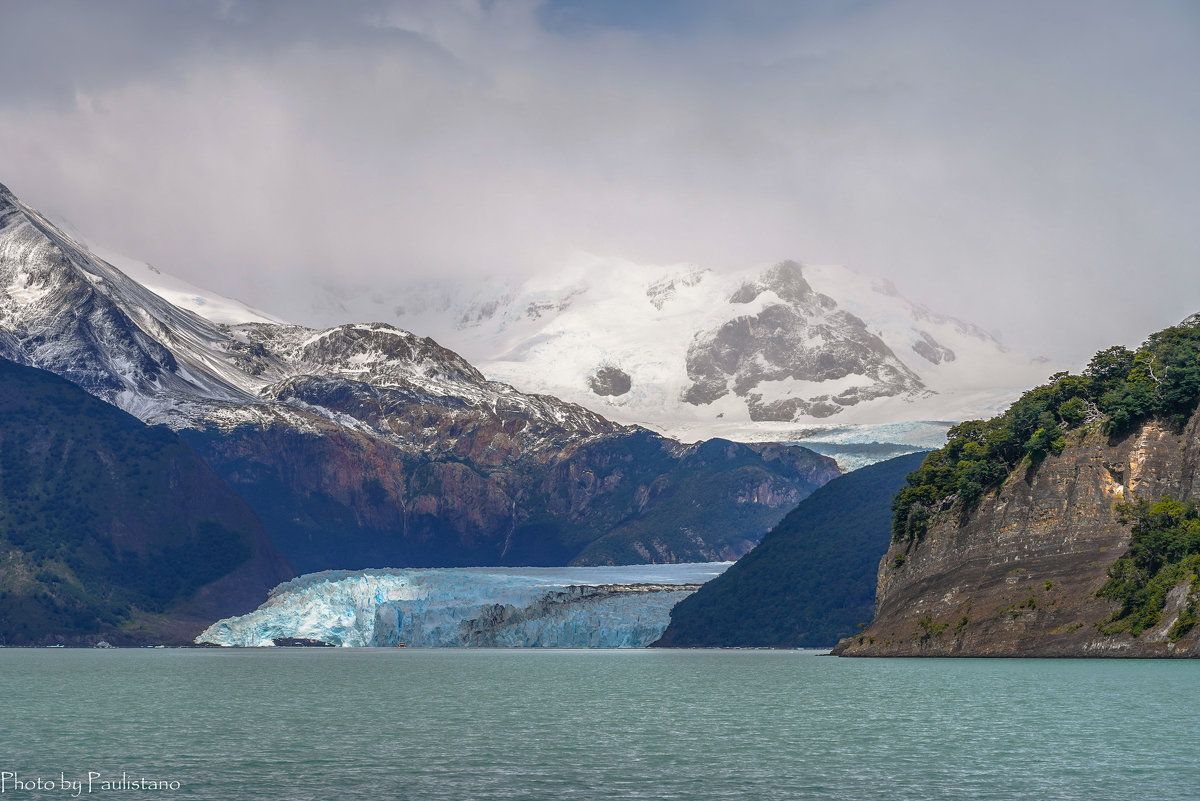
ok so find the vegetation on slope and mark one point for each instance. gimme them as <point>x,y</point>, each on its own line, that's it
<point>1163,551</point>
<point>1118,390</point>
<point>811,581</point>
<point>101,517</point>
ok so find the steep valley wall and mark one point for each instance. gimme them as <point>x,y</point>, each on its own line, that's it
<point>1019,575</point>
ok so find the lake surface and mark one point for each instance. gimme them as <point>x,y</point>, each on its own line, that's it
<point>529,724</point>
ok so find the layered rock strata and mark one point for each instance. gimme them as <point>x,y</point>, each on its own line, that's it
<point>1018,576</point>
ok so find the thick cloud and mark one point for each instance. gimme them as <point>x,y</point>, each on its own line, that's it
<point>1028,166</point>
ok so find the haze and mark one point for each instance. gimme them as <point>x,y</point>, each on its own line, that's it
<point>1028,166</point>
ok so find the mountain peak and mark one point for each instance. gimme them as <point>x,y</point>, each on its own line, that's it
<point>8,200</point>
<point>76,315</point>
<point>757,353</point>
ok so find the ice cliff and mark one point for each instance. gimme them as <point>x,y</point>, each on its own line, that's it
<point>522,607</point>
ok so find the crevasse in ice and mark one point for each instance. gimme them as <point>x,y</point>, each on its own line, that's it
<point>555,607</point>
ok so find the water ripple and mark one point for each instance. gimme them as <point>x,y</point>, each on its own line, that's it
<point>432,725</point>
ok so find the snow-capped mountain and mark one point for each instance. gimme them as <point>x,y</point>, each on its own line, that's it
<point>364,444</point>
<point>762,354</point>
<point>66,310</point>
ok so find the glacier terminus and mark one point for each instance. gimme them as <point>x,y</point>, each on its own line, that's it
<point>516,607</point>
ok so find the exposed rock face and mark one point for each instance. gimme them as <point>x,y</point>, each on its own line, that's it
<point>797,338</point>
<point>1019,577</point>
<point>931,350</point>
<point>66,311</point>
<point>486,497</point>
<point>610,381</point>
<point>660,292</point>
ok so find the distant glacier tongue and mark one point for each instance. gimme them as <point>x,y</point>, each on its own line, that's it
<point>516,607</point>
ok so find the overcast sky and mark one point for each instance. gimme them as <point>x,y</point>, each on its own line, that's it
<point>1029,166</point>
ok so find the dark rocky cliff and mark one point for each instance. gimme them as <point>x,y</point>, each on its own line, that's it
<point>1019,575</point>
<point>343,499</point>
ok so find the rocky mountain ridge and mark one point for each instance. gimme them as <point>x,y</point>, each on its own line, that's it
<point>365,445</point>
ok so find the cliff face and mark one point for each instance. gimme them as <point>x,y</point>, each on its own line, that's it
<point>348,500</point>
<point>1019,576</point>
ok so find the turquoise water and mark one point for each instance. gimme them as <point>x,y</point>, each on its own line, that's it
<point>461,724</point>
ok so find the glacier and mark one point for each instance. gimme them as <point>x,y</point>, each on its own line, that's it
<point>624,606</point>
<point>856,446</point>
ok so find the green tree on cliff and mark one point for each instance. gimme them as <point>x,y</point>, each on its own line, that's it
<point>1118,390</point>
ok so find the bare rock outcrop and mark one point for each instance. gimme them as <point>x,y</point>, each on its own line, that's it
<point>1019,575</point>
